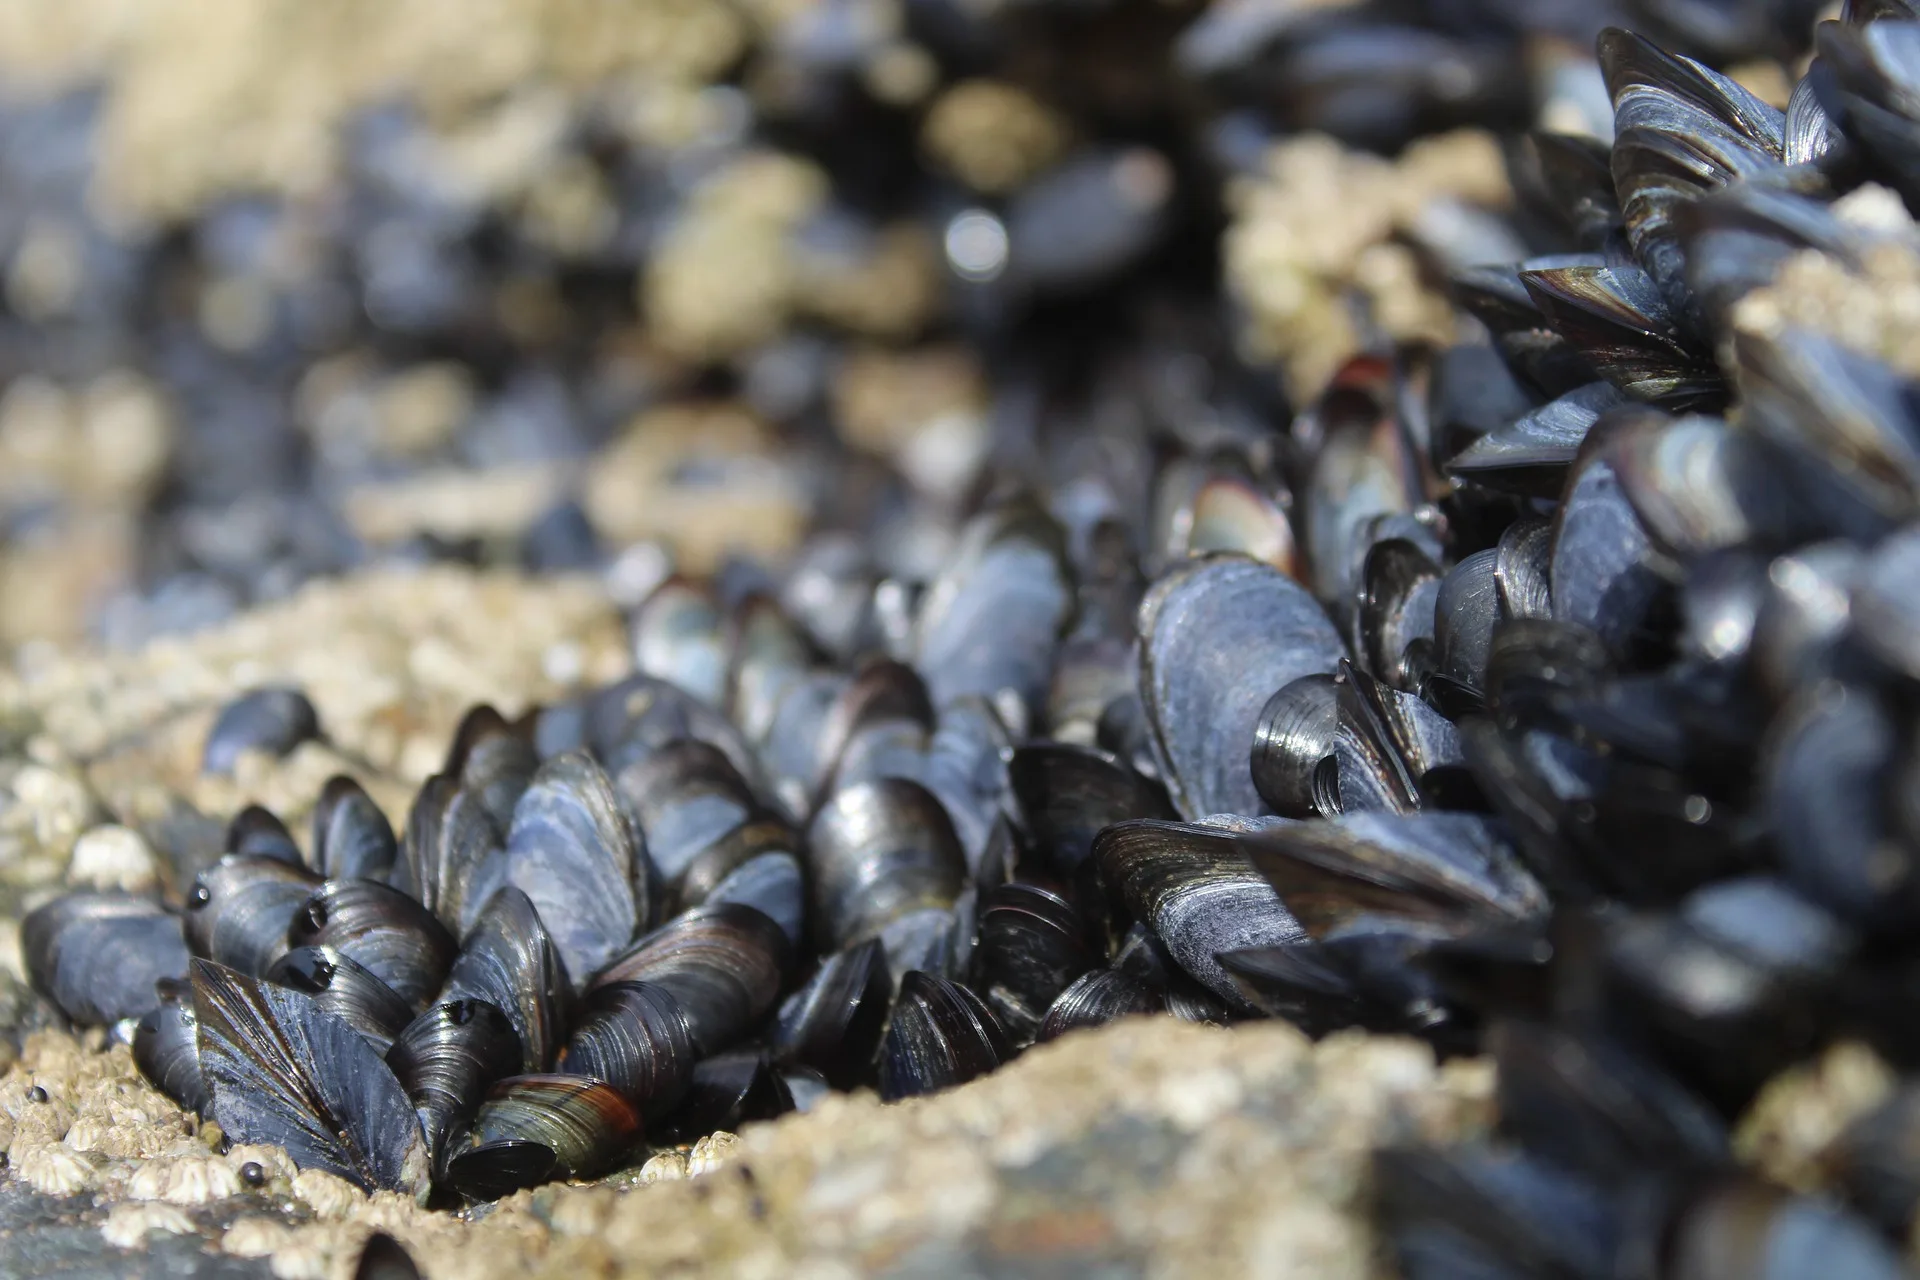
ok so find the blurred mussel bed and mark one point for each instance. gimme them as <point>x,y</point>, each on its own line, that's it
<point>1382,515</point>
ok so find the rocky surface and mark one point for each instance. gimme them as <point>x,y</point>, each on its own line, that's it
<point>1148,1148</point>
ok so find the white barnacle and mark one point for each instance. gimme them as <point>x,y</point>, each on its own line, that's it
<point>668,1166</point>
<point>129,1224</point>
<point>711,1152</point>
<point>51,1168</point>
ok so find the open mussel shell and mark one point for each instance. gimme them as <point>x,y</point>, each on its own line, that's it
<point>272,720</point>
<point>880,851</point>
<point>725,964</point>
<point>1192,886</point>
<point>239,911</point>
<point>1097,998</point>
<point>1031,946</point>
<point>256,832</point>
<point>285,1072</point>
<point>351,836</point>
<point>727,1091</point>
<point>575,856</point>
<point>344,988</point>
<point>452,858</point>
<point>97,956</point>
<point>166,1048</point>
<point>636,1037</point>
<point>989,623</point>
<point>534,1128</point>
<point>835,1022</point>
<point>1066,794</point>
<point>680,635</point>
<point>1217,636</point>
<point>446,1059</point>
<point>508,961</point>
<point>395,938</point>
<point>941,1035</point>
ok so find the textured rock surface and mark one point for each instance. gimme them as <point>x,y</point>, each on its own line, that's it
<point>1150,1148</point>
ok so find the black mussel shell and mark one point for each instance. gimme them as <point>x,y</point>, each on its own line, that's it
<point>942,1034</point>
<point>273,720</point>
<point>755,868</point>
<point>636,1037</point>
<point>574,854</point>
<point>256,832</point>
<point>835,1022</point>
<point>494,762</point>
<point>344,988</point>
<point>395,938</point>
<point>446,1059</point>
<point>683,799</point>
<point>509,962</point>
<point>724,963</point>
<point>1394,617</point>
<point>727,1091</point>
<point>632,719</point>
<point>285,1072</point>
<point>1030,948</point>
<point>1097,998</point>
<point>239,911</point>
<point>167,1051</point>
<point>1464,616</point>
<point>880,851</point>
<point>532,1129</point>
<point>1066,794</point>
<point>352,838</point>
<point>97,956</point>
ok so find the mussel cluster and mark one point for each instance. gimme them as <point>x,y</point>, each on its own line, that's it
<point>1551,695</point>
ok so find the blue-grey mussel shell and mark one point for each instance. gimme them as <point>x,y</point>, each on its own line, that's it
<point>98,955</point>
<point>941,1035</point>
<point>454,855</point>
<point>493,760</point>
<point>1067,794</point>
<point>835,1022</point>
<point>283,1071</point>
<point>510,962</point>
<point>166,1048</point>
<point>274,720</point>
<point>346,989</point>
<point>239,911</point>
<point>351,836</point>
<point>446,1059</point>
<point>1217,636</point>
<point>724,963</point>
<point>392,936</point>
<point>636,1037</point>
<point>532,1129</point>
<point>573,853</point>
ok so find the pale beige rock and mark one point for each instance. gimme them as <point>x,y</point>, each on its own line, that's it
<point>111,856</point>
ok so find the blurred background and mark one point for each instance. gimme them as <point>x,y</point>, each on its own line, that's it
<point>620,286</point>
